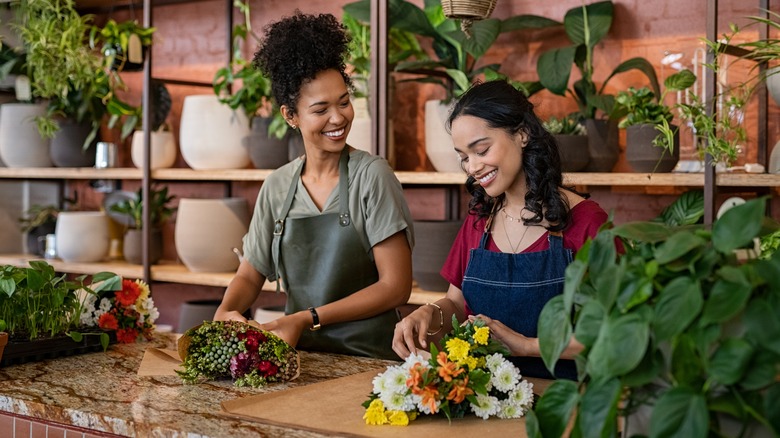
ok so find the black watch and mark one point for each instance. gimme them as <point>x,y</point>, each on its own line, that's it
<point>316,320</point>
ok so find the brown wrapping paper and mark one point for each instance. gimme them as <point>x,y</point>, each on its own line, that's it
<point>159,362</point>
<point>335,407</point>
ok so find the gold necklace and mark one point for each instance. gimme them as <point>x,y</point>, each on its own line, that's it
<point>514,219</point>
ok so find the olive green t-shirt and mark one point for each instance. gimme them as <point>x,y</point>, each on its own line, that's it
<point>376,205</point>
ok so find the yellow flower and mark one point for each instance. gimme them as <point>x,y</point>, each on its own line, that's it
<point>481,335</point>
<point>397,418</point>
<point>375,414</point>
<point>458,349</point>
<point>470,362</point>
<point>143,288</point>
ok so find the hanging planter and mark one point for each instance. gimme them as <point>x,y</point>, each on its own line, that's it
<point>468,11</point>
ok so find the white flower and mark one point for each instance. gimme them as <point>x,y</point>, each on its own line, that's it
<point>485,406</point>
<point>507,409</point>
<point>380,383</point>
<point>105,305</point>
<point>86,318</point>
<point>493,361</point>
<point>395,401</point>
<point>505,377</point>
<point>523,395</point>
<point>414,359</point>
<point>395,380</point>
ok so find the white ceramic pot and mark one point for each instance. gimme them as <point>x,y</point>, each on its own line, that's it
<point>207,230</point>
<point>82,236</point>
<point>773,83</point>
<point>360,133</point>
<point>162,152</point>
<point>438,143</point>
<point>21,144</point>
<point>210,134</point>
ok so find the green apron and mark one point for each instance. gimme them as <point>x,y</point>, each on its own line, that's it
<point>321,259</point>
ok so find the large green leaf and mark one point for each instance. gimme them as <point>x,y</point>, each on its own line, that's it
<point>407,16</point>
<point>647,371</point>
<point>555,407</point>
<point>761,370</point>
<point>572,279</point>
<point>7,286</point>
<point>620,346</point>
<point>679,413</point>
<point>762,324</point>
<point>521,22</point>
<point>680,81</point>
<point>677,246</point>
<point>554,331</point>
<point>602,254</point>
<point>650,232</point>
<point>589,322</point>
<point>738,226</point>
<point>598,408</point>
<point>726,299</point>
<point>532,425</point>
<point>554,68</point>
<point>679,304</point>
<point>685,210</point>
<point>686,364</point>
<point>640,64</point>
<point>599,16</point>
<point>483,35</point>
<point>730,360</point>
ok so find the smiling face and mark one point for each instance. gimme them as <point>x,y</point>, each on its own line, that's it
<point>493,156</point>
<point>324,112</point>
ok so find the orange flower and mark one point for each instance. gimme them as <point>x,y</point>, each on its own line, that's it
<point>126,336</point>
<point>429,395</point>
<point>447,369</point>
<point>460,391</point>
<point>108,321</point>
<point>415,377</point>
<point>129,293</point>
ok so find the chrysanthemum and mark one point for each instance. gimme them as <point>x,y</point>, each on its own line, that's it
<point>397,418</point>
<point>507,409</point>
<point>505,377</point>
<point>493,361</point>
<point>395,380</point>
<point>457,349</point>
<point>481,335</point>
<point>523,394</point>
<point>396,401</point>
<point>485,406</point>
<point>375,414</point>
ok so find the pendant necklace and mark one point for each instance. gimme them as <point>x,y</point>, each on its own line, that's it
<point>510,218</point>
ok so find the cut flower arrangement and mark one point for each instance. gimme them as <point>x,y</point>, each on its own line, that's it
<point>471,375</point>
<point>129,310</point>
<point>241,351</point>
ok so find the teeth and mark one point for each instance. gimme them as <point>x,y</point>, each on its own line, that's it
<point>488,176</point>
<point>338,133</point>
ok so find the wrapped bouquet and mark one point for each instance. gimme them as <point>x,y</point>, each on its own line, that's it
<point>130,311</point>
<point>471,375</point>
<point>241,351</point>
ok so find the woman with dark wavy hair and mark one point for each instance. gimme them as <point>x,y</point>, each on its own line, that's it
<point>332,225</point>
<point>521,232</point>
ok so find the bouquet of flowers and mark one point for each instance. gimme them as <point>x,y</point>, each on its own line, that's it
<point>249,355</point>
<point>130,311</point>
<point>471,374</point>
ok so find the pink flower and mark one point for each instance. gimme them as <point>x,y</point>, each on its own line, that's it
<point>242,363</point>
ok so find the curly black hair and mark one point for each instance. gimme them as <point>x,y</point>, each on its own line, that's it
<point>503,107</point>
<point>295,49</point>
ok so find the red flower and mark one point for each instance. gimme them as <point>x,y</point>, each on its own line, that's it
<point>126,336</point>
<point>253,339</point>
<point>267,368</point>
<point>129,293</point>
<point>108,321</point>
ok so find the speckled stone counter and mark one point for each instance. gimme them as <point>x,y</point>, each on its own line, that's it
<point>102,392</point>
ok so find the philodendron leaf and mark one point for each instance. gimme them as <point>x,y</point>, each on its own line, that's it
<point>76,336</point>
<point>620,346</point>
<point>680,303</point>
<point>730,360</point>
<point>7,286</point>
<point>554,68</point>
<point>599,21</point>
<point>760,371</point>
<point>532,425</point>
<point>483,35</point>
<point>680,80</point>
<point>598,409</point>
<point>738,226</point>
<point>762,324</point>
<point>572,279</point>
<point>554,331</point>
<point>589,322</point>
<point>555,407</point>
<point>650,232</point>
<point>726,300</point>
<point>680,413</point>
<point>677,246</point>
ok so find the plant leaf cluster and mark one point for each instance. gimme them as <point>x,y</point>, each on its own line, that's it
<point>36,302</point>
<point>675,322</point>
<point>567,125</point>
<point>159,210</point>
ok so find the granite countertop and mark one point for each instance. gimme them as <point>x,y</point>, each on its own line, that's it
<point>102,391</point>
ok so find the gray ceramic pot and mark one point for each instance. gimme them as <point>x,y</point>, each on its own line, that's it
<point>643,156</point>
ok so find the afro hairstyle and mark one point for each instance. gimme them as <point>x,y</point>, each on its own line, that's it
<point>296,48</point>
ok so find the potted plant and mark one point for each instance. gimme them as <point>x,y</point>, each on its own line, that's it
<point>124,44</point>
<point>41,311</point>
<point>572,139</point>
<point>652,142</point>
<point>675,330</point>
<point>38,221</point>
<point>159,212</point>
<point>585,27</point>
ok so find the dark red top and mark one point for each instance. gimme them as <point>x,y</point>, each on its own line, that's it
<point>586,218</point>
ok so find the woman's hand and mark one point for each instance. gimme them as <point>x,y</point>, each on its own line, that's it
<point>289,327</point>
<point>411,332</point>
<point>228,315</point>
<point>518,344</point>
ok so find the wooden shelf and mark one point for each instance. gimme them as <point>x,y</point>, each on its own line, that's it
<point>69,173</point>
<point>169,272</point>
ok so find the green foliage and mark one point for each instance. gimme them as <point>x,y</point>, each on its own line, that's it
<point>115,39</point>
<point>159,210</point>
<point>674,322</point>
<point>567,125</point>
<point>35,301</point>
<point>586,26</point>
<point>688,209</point>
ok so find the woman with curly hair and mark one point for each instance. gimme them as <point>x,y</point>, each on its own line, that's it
<point>523,226</point>
<point>332,225</point>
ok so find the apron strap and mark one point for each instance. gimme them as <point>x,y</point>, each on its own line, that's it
<point>344,219</point>
<point>488,225</point>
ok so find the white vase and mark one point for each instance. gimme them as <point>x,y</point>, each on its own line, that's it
<point>774,159</point>
<point>773,83</point>
<point>21,144</point>
<point>162,152</point>
<point>82,236</point>
<point>360,133</point>
<point>207,230</point>
<point>438,143</point>
<point>210,134</point>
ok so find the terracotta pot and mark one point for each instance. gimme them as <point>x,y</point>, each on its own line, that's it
<point>603,146</point>
<point>21,145</point>
<point>82,236</point>
<point>132,246</point>
<point>573,150</point>
<point>438,143</point>
<point>643,156</point>
<point>207,230</point>
<point>210,134</point>
<point>163,150</point>
<point>433,240</point>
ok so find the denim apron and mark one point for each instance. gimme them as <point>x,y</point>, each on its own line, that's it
<point>321,259</point>
<point>513,289</point>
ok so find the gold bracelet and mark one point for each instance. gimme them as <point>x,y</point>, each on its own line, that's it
<point>441,319</point>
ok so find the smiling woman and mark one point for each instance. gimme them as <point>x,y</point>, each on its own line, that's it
<point>333,224</point>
